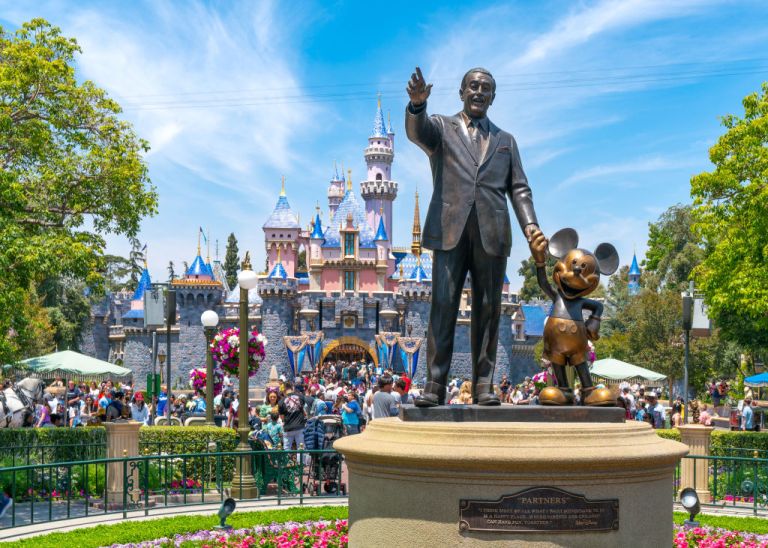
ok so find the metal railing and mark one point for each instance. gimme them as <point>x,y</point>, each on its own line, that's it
<point>67,490</point>
<point>16,455</point>
<point>735,482</point>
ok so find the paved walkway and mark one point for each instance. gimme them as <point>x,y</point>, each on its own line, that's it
<point>93,520</point>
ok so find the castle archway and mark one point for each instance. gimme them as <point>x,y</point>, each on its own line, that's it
<point>349,349</point>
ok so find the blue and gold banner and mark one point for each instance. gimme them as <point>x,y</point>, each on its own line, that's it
<point>409,353</point>
<point>295,346</point>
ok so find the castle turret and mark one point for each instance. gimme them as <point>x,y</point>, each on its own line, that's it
<point>315,257</point>
<point>335,191</point>
<point>382,253</point>
<point>379,190</point>
<point>634,277</point>
<point>281,234</point>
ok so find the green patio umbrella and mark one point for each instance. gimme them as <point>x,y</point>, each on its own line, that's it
<point>611,370</point>
<point>71,365</point>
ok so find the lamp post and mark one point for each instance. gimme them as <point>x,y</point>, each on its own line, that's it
<point>244,482</point>
<point>210,320</point>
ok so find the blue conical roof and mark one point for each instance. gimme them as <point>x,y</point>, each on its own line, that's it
<point>317,233</point>
<point>278,272</point>
<point>144,283</point>
<point>350,204</point>
<point>282,216</point>
<point>198,268</point>
<point>379,129</point>
<point>417,274</point>
<point>634,270</point>
<point>381,233</point>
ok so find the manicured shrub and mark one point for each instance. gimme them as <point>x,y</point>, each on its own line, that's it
<point>20,446</point>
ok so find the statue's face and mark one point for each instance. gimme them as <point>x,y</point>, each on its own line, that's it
<point>477,94</point>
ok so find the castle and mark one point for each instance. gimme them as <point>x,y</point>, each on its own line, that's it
<point>343,276</point>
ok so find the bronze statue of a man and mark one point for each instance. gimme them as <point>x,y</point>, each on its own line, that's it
<point>475,166</point>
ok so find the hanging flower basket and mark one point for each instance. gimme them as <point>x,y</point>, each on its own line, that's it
<point>197,378</point>
<point>225,349</point>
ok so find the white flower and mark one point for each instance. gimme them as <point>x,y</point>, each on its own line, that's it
<point>260,338</point>
<point>233,340</point>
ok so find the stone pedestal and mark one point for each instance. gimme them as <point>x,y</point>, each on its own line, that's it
<point>122,441</point>
<point>695,472</point>
<point>407,480</point>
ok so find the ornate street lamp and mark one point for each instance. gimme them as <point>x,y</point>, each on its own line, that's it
<point>210,320</point>
<point>244,482</point>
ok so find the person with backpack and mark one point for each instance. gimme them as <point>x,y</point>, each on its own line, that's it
<point>291,409</point>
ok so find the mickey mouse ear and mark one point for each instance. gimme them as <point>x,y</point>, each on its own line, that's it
<point>607,259</point>
<point>562,242</point>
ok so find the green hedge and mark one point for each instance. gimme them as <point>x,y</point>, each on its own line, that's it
<point>723,441</point>
<point>185,439</point>
<point>20,446</point>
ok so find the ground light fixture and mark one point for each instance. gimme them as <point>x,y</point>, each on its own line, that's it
<point>226,509</point>
<point>690,501</point>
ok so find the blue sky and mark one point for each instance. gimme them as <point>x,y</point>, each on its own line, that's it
<point>614,104</point>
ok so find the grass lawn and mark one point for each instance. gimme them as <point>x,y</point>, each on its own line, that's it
<point>138,531</point>
<point>757,525</point>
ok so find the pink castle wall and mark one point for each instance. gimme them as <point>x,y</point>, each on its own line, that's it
<point>330,280</point>
<point>367,281</point>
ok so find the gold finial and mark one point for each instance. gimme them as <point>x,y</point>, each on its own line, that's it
<point>279,260</point>
<point>199,231</point>
<point>208,243</point>
<point>317,206</point>
<point>145,256</point>
<point>349,179</point>
<point>416,242</point>
<point>246,265</point>
<point>378,99</point>
<point>282,186</point>
<point>389,119</point>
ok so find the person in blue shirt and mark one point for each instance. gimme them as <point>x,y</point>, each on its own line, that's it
<point>747,415</point>
<point>640,413</point>
<point>162,401</point>
<point>350,414</point>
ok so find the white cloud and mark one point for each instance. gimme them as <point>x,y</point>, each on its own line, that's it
<point>640,165</point>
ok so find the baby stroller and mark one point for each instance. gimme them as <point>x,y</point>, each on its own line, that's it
<point>324,468</point>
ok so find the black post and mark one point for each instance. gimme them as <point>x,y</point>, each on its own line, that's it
<point>377,316</point>
<point>320,315</point>
<point>170,319</point>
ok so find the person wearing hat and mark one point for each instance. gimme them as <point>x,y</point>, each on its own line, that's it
<point>139,409</point>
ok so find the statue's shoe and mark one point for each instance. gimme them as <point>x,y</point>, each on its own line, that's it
<point>600,397</point>
<point>489,399</point>
<point>552,395</point>
<point>426,400</point>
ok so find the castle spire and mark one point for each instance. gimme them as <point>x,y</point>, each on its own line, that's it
<point>416,243</point>
<point>349,180</point>
<point>282,186</point>
<point>208,243</point>
<point>378,122</point>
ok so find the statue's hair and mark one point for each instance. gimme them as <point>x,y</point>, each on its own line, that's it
<point>480,70</point>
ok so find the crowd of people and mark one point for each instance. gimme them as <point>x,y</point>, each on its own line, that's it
<point>355,391</point>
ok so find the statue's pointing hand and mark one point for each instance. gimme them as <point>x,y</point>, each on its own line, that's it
<point>418,89</point>
<point>538,247</point>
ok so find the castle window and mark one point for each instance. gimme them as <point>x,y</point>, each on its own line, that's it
<point>378,176</point>
<point>349,281</point>
<point>349,244</point>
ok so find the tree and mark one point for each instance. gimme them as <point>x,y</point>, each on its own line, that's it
<point>136,259</point>
<point>301,260</point>
<point>531,290</point>
<point>674,250</point>
<point>185,264</point>
<point>116,272</point>
<point>70,172</point>
<point>730,205</point>
<point>68,306</point>
<point>171,272</point>
<point>231,261</point>
<point>616,301</point>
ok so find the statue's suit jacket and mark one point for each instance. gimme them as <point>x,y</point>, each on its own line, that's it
<point>460,180</point>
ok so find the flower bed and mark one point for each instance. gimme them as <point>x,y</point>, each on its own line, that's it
<point>713,537</point>
<point>315,534</point>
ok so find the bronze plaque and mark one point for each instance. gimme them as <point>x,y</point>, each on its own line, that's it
<point>539,510</point>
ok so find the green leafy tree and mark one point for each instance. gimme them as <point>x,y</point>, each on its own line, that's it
<point>136,259</point>
<point>231,261</point>
<point>68,306</point>
<point>70,171</point>
<point>674,250</point>
<point>116,272</point>
<point>531,290</point>
<point>730,205</point>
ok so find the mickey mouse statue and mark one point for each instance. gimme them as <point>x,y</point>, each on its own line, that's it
<point>566,334</point>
